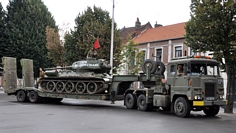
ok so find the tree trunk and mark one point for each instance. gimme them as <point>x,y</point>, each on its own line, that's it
<point>230,89</point>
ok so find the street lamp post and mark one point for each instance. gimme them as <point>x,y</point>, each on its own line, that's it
<point>112,36</point>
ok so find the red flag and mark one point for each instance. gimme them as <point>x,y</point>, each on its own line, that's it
<point>96,44</point>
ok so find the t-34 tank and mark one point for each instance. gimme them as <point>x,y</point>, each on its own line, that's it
<point>88,76</point>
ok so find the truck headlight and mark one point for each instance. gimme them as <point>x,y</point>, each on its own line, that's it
<point>197,97</point>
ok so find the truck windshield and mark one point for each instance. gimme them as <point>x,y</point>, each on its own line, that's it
<point>204,69</point>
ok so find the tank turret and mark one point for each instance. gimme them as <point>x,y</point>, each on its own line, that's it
<point>85,76</point>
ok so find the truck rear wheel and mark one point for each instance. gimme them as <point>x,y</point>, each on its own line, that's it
<point>21,96</point>
<point>131,101</point>
<point>182,107</point>
<point>33,97</point>
<point>212,110</point>
<point>142,104</point>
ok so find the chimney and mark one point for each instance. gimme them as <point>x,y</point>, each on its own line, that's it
<point>137,27</point>
<point>157,25</point>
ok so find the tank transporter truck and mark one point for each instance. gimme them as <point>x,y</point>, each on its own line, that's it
<point>198,88</point>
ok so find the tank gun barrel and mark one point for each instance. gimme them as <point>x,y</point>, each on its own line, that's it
<point>55,68</point>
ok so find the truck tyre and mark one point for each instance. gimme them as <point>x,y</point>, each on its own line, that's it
<point>160,67</point>
<point>131,101</point>
<point>21,96</point>
<point>33,97</point>
<point>212,110</point>
<point>182,107</point>
<point>142,104</point>
<point>152,65</point>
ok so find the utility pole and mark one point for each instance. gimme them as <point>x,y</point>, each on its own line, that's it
<point>112,36</point>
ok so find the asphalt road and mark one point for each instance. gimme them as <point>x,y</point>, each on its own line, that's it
<point>87,116</point>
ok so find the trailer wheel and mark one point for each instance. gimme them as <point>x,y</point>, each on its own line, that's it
<point>131,101</point>
<point>21,96</point>
<point>142,104</point>
<point>33,97</point>
<point>152,65</point>
<point>212,110</point>
<point>182,107</point>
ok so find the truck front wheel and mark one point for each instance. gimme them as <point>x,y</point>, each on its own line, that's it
<point>142,104</point>
<point>211,110</point>
<point>131,101</point>
<point>182,107</point>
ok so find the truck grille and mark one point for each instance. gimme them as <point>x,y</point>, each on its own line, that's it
<point>209,90</point>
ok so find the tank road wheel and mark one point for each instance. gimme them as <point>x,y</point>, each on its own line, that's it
<point>43,84</point>
<point>51,86</point>
<point>100,85</point>
<point>92,87</point>
<point>60,86</point>
<point>212,110</point>
<point>21,96</point>
<point>152,65</point>
<point>182,107</point>
<point>69,87</point>
<point>142,104</point>
<point>131,101</point>
<point>80,87</point>
<point>33,97</point>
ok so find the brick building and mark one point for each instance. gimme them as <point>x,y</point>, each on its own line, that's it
<point>166,41</point>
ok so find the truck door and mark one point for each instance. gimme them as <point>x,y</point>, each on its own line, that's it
<point>181,80</point>
<point>10,75</point>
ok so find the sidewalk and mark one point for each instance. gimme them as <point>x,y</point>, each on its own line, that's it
<point>1,90</point>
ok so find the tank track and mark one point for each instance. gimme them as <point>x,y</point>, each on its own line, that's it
<point>89,86</point>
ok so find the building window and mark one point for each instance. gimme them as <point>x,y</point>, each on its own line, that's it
<point>178,51</point>
<point>159,54</point>
<point>132,61</point>
<point>144,54</point>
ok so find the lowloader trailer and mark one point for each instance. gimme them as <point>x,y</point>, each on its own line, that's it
<point>198,88</point>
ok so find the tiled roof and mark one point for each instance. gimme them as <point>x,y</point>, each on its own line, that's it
<point>125,33</point>
<point>162,33</point>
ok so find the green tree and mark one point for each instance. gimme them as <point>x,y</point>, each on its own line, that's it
<point>72,51</point>
<point>230,3</point>
<point>54,46</point>
<point>2,31</point>
<point>130,58</point>
<point>91,24</point>
<point>26,22</point>
<point>211,28</point>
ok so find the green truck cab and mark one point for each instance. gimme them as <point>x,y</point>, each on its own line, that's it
<point>199,87</point>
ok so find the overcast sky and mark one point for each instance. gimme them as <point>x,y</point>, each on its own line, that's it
<point>165,12</point>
